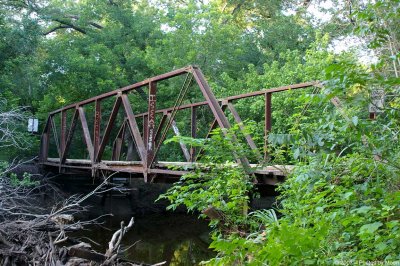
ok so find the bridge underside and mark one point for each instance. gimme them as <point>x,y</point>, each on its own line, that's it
<point>126,130</point>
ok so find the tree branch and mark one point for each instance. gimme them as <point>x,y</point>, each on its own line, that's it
<point>55,29</point>
<point>70,25</point>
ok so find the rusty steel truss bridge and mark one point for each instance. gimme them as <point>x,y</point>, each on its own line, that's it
<point>133,146</point>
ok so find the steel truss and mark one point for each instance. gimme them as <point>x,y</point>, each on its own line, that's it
<point>148,143</point>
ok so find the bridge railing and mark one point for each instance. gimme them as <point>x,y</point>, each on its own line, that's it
<point>148,138</point>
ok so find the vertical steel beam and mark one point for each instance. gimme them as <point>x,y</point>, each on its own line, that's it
<point>69,137</point>
<point>151,121</point>
<point>96,127</point>
<point>193,131</point>
<point>63,130</point>
<point>268,121</point>
<point>86,133</point>
<point>145,127</point>
<point>44,141</point>
<point>108,129</point>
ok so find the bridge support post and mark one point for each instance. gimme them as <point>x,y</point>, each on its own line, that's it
<point>150,133</point>
<point>44,142</point>
<point>63,130</point>
<point>96,133</point>
<point>268,121</point>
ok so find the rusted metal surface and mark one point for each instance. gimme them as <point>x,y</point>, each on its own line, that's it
<point>143,145</point>
<point>151,121</point>
<point>96,130</point>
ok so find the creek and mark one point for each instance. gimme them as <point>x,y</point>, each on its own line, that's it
<point>178,239</point>
<point>157,235</point>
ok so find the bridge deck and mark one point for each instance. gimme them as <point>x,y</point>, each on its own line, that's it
<point>272,172</point>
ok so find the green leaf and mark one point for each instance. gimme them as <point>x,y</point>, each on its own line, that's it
<point>363,209</point>
<point>381,246</point>
<point>296,153</point>
<point>370,228</point>
<point>355,120</point>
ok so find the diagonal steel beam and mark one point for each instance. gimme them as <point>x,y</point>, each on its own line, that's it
<point>218,112</point>
<point>213,126</point>
<point>57,141</point>
<point>131,146</point>
<point>178,133</point>
<point>108,129</point>
<point>69,137</point>
<point>134,128</point>
<point>86,133</point>
<point>211,100</point>
<point>159,129</point>
<point>117,145</point>
<point>44,142</point>
<point>239,121</point>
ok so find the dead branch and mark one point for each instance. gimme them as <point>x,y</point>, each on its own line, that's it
<point>114,244</point>
<point>10,122</point>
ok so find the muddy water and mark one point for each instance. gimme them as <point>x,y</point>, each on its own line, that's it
<point>177,239</point>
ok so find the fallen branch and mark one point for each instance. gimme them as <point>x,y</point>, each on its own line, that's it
<point>115,243</point>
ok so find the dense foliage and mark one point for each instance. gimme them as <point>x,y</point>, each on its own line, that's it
<point>340,205</point>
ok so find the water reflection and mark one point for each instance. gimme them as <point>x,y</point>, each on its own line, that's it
<point>176,238</point>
